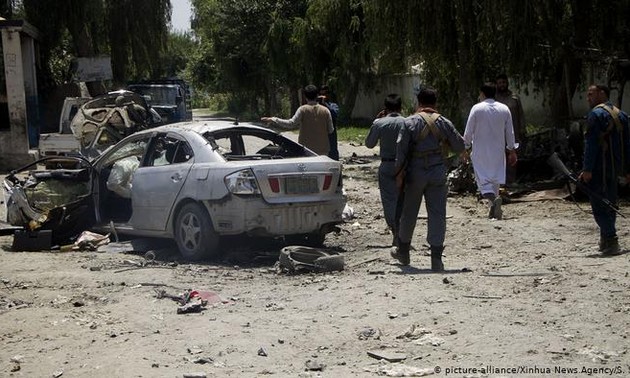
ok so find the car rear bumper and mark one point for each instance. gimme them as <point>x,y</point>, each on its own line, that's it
<point>255,216</point>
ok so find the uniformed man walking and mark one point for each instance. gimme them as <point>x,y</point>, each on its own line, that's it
<point>422,149</point>
<point>606,157</point>
<point>386,129</point>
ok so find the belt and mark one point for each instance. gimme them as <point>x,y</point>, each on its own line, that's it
<point>388,159</point>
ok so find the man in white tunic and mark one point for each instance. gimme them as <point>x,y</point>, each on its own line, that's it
<point>489,132</point>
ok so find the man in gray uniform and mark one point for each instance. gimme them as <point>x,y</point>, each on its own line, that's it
<point>385,129</point>
<point>422,152</point>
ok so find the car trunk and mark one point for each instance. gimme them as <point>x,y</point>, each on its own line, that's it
<point>297,180</point>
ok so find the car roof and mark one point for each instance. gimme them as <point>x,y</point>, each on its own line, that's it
<point>204,126</point>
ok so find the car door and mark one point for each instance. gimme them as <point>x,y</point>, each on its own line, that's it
<point>158,182</point>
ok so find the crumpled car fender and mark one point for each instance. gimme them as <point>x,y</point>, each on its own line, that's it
<point>19,212</point>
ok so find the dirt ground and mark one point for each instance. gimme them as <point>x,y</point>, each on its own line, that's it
<point>525,296</point>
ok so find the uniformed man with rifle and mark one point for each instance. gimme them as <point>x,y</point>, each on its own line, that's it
<point>422,158</point>
<point>606,158</point>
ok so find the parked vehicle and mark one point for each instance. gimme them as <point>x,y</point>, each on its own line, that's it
<point>193,181</point>
<point>169,97</point>
<point>63,141</point>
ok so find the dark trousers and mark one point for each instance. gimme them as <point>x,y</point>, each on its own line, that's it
<point>390,196</point>
<point>605,217</point>
<point>429,183</point>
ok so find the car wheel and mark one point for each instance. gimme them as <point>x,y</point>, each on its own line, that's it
<point>194,235</point>
<point>314,239</point>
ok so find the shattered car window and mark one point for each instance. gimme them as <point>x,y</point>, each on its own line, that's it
<point>133,148</point>
<point>247,144</point>
<point>168,150</point>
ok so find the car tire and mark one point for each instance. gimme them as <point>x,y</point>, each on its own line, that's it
<point>298,259</point>
<point>194,234</point>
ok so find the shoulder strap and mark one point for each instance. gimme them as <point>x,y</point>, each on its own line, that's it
<point>429,120</point>
<point>613,124</point>
<point>614,114</point>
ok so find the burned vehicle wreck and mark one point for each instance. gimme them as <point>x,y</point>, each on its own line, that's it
<point>105,120</point>
<point>193,182</point>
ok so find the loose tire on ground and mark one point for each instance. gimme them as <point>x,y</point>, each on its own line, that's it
<point>297,259</point>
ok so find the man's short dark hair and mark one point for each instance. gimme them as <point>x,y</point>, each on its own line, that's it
<point>311,92</point>
<point>488,89</point>
<point>501,76</point>
<point>603,88</point>
<point>393,102</point>
<point>427,96</point>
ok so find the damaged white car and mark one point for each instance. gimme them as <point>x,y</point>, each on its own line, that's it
<point>193,182</point>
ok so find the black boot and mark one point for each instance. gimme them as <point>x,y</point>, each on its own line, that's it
<point>401,253</point>
<point>436,259</point>
<point>611,246</point>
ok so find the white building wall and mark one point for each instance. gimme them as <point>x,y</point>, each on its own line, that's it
<point>535,104</point>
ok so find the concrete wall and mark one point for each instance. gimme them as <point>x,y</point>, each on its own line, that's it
<point>14,141</point>
<point>370,100</point>
<point>18,49</point>
<point>535,103</point>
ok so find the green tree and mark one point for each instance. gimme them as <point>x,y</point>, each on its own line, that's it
<point>235,32</point>
<point>336,37</point>
<point>132,32</point>
<point>174,59</point>
<point>463,43</point>
<point>138,32</point>
<point>261,49</point>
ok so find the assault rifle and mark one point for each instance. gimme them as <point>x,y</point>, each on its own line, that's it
<point>557,164</point>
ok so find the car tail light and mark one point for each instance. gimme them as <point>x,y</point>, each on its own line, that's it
<point>327,181</point>
<point>274,183</point>
<point>242,182</point>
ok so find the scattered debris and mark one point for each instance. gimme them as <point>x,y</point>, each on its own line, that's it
<point>18,359</point>
<point>387,356</point>
<point>483,296</point>
<point>262,352</point>
<point>90,241</point>
<point>414,332</point>
<point>524,274</point>
<point>32,240</point>
<point>314,365</point>
<point>192,300</point>
<point>195,305</point>
<point>598,355</point>
<point>365,262</point>
<point>195,375</point>
<point>429,339</point>
<point>15,304</point>
<point>347,214</point>
<point>369,333</point>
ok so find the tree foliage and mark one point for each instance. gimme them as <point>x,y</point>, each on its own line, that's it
<point>133,32</point>
<point>255,50</point>
<point>138,31</point>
